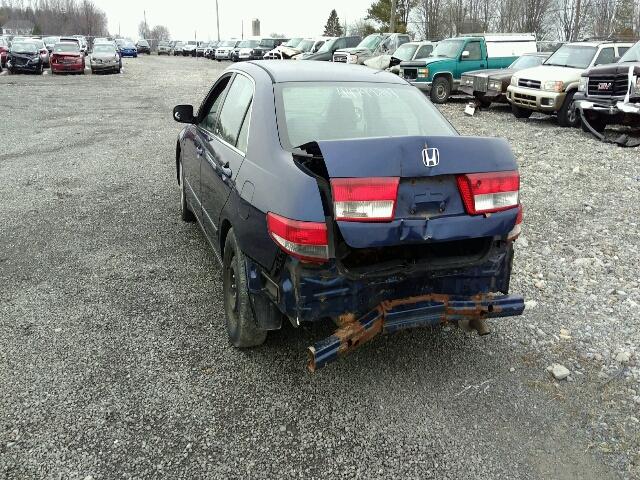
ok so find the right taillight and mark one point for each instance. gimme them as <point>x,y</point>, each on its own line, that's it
<point>489,192</point>
<point>307,241</point>
<point>365,199</point>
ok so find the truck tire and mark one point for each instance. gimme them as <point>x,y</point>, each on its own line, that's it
<point>242,327</point>
<point>519,112</point>
<point>597,122</point>
<point>440,90</point>
<point>568,115</point>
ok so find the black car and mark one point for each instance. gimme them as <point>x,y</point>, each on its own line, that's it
<point>325,54</point>
<point>610,94</point>
<point>24,56</point>
<point>333,192</point>
<point>489,86</point>
<point>266,45</point>
<point>143,47</point>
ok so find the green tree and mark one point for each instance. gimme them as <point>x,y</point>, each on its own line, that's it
<point>333,27</point>
<point>380,12</point>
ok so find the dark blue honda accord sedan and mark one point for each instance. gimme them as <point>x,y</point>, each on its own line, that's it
<point>332,191</point>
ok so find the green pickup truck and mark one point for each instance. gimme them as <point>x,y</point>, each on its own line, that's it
<point>440,73</point>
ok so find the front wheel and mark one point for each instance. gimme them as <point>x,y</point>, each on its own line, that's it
<point>568,115</point>
<point>242,328</point>
<point>440,90</point>
<point>519,112</point>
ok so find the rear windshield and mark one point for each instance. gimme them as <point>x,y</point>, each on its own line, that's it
<point>317,111</point>
<point>66,48</point>
<point>572,56</point>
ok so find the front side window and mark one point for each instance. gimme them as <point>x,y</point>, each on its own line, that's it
<point>316,111</point>
<point>212,105</point>
<point>475,53</point>
<point>605,56</point>
<point>424,51</point>
<point>234,110</point>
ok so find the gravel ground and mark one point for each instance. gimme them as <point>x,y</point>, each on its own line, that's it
<point>114,361</point>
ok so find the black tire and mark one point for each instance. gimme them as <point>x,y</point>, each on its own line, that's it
<point>568,115</point>
<point>185,212</point>
<point>483,101</point>
<point>242,328</point>
<point>597,122</point>
<point>519,112</point>
<point>440,90</point>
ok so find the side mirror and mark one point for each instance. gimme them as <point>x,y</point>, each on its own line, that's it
<point>465,54</point>
<point>183,114</point>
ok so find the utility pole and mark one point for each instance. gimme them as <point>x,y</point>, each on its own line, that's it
<point>146,26</point>
<point>217,20</point>
<point>392,20</point>
<point>242,31</point>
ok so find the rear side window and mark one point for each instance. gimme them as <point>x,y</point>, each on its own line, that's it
<point>622,50</point>
<point>605,56</point>
<point>234,110</point>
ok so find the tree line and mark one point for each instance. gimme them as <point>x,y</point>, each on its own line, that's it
<point>56,17</point>
<point>564,20</point>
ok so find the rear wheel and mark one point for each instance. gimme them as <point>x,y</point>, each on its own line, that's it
<point>440,90</point>
<point>185,213</point>
<point>242,328</point>
<point>568,115</point>
<point>483,101</point>
<point>520,112</point>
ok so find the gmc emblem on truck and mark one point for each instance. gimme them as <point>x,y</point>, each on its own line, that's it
<point>430,157</point>
<point>605,86</point>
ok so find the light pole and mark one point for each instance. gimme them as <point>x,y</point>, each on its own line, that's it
<point>392,21</point>
<point>217,20</point>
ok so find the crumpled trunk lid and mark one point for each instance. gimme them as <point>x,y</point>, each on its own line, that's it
<point>429,207</point>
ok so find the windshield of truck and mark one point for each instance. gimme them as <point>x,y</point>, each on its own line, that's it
<point>230,43</point>
<point>371,42</point>
<point>406,51</point>
<point>632,55</point>
<point>447,49</point>
<point>316,111</point>
<point>572,56</point>
<point>305,45</point>
<point>527,61</point>
<point>248,44</point>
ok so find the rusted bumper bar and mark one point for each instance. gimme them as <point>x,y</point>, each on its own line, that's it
<point>414,312</point>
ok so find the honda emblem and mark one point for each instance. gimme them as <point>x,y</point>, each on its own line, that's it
<point>430,157</point>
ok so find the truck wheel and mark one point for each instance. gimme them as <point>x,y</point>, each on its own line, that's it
<point>483,101</point>
<point>185,213</point>
<point>440,90</point>
<point>597,122</point>
<point>568,115</point>
<point>242,328</point>
<point>520,112</point>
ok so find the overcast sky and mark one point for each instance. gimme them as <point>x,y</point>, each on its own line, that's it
<point>185,17</point>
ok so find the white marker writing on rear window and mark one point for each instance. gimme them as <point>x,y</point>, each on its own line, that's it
<point>358,92</point>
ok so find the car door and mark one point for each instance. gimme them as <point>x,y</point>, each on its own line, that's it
<point>224,150</point>
<point>193,148</point>
<point>474,61</point>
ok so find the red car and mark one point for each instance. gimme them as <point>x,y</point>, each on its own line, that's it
<point>67,58</point>
<point>4,51</point>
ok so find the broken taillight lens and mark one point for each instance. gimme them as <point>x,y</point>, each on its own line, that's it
<point>307,241</point>
<point>517,228</point>
<point>489,192</point>
<point>365,199</point>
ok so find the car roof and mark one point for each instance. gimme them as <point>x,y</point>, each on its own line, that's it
<point>599,43</point>
<point>309,71</point>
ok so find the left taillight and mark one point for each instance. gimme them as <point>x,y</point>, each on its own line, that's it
<point>365,199</point>
<point>307,241</point>
<point>489,192</point>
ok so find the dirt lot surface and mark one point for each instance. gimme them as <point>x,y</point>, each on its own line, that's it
<point>114,361</point>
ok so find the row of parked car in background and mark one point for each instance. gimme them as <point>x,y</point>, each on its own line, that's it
<point>69,54</point>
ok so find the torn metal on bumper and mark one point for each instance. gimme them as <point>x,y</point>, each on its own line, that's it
<point>413,312</point>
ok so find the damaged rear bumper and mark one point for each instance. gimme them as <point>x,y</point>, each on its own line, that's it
<point>414,312</point>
